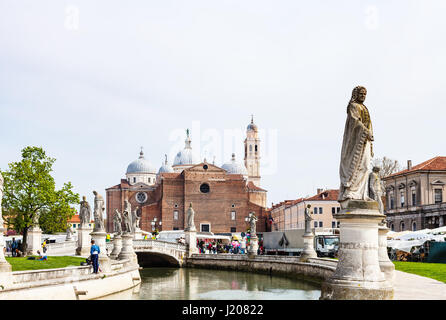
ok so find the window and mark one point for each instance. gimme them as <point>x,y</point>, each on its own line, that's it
<point>402,198</point>
<point>205,228</point>
<point>255,148</point>
<point>175,215</point>
<point>438,196</point>
<point>392,227</point>
<point>250,148</point>
<point>74,225</point>
<point>414,197</point>
<point>233,229</point>
<point>338,209</point>
<point>204,188</point>
<point>321,224</point>
<point>402,226</point>
<point>339,223</point>
<point>315,224</point>
<point>414,226</point>
<point>233,215</point>
<point>175,228</point>
<point>150,180</point>
<point>333,224</point>
<point>333,210</point>
<point>233,205</point>
<point>392,201</point>
<point>176,206</point>
<point>315,210</point>
<point>134,179</point>
<point>320,211</point>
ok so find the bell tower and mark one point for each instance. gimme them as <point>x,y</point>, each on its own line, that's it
<point>252,153</point>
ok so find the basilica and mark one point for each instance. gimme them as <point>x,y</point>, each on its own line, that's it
<point>222,196</point>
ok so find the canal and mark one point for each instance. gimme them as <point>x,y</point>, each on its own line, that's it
<point>203,284</point>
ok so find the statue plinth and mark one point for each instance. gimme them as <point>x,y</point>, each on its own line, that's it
<point>117,246</point>
<point>83,241</point>
<point>127,251</point>
<point>34,240</point>
<point>5,267</point>
<point>358,275</point>
<point>191,242</point>
<point>308,251</point>
<point>99,237</point>
<point>253,245</point>
<point>137,235</point>
<point>387,267</point>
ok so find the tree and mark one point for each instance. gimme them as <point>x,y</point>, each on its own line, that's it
<point>387,166</point>
<point>30,193</point>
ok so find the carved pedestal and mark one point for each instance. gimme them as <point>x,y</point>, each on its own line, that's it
<point>5,267</point>
<point>386,266</point>
<point>253,246</point>
<point>117,246</point>
<point>127,251</point>
<point>83,241</point>
<point>191,242</point>
<point>308,251</point>
<point>34,241</point>
<point>358,275</point>
<point>104,261</point>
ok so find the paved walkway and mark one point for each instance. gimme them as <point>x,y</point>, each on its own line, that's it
<point>410,286</point>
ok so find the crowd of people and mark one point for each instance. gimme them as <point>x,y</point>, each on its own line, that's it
<point>212,246</point>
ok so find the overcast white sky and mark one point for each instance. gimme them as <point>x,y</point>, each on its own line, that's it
<point>92,81</point>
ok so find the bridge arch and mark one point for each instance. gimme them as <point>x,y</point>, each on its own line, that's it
<point>156,259</point>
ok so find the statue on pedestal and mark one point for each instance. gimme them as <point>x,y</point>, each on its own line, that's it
<point>135,220</point>
<point>117,221</point>
<point>69,233</point>
<point>98,212</point>
<point>252,223</point>
<point>357,152</point>
<point>126,216</point>
<point>376,188</point>
<point>308,219</point>
<point>84,212</point>
<point>190,219</point>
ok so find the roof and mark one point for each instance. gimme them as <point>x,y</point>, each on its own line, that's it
<point>76,219</point>
<point>252,186</point>
<point>434,164</point>
<point>326,195</point>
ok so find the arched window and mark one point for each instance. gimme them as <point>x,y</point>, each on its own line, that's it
<point>414,226</point>
<point>255,148</point>
<point>402,226</point>
<point>134,179</point>
<point>392,227</point>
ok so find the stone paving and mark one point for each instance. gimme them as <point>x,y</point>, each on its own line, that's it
<point>410,286</point>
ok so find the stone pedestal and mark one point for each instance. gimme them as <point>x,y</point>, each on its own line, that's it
<point>117,246</point>
<point>138,234</point>
<point>34,241</point>
<point>191,242</point>
<point>5,267</point>
<point>358,275</point>
<point>83,241</point>
<point>308,251</point>
<point>253,246</point>
<point>104,260</point>
<point>385,264</point>
<point>127,251</point>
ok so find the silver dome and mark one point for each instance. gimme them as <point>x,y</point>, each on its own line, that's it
<point>166,167</point>
<point>186,156</point>
<point>141,165</point>
<point>235,168</point>
<point>252,126</point>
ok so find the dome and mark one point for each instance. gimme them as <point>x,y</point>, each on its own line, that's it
<point>166,167</point>
<point>252,126</point>
<point>186,156</point>
<point>140,165</point>
<point>235,168</point>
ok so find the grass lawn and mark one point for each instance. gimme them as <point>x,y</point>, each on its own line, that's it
<point>20,263</point>
<point>435,271</point>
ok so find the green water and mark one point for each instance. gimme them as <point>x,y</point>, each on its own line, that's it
<point>203,284</point>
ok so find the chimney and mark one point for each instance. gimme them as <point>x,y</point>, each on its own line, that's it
<point>319,190</point>
<point>409,164</point>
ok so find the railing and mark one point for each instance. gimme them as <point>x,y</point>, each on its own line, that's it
<point>142,244</point>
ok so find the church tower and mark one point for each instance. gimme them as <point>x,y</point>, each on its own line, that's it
<point>252,153</point>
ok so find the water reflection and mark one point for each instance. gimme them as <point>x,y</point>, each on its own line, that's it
<point>199,284</point>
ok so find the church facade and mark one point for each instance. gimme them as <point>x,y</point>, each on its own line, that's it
<point>222,197</point>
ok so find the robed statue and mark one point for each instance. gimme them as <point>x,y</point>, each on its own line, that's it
<point>127,217</point>
<point>190,219</point>
<point>135,219</point>
<point>98,212</point>
<point>357,152</point>
<point>308,219</point>
<point>252,224</point>
<point>84,212</point>
<point>117,223</point>
<point>376,188</point>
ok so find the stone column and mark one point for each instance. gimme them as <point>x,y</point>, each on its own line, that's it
<point>127,251</point>
<point>191,242</point>
<point>253,245</point>
<point>385,264</point>
<point>117,246</point>
<point>308,251</point>
<point>5,267</point>
<point>99,239</point>
<point>34,240</point>
<point>358,275</point>
<point>83,241</point>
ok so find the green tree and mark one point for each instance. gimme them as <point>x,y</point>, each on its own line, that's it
<point>30,194</point>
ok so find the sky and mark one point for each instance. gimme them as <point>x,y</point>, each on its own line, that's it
<point>93,81</point>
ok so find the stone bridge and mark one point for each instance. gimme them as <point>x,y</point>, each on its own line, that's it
<point>156,253</point>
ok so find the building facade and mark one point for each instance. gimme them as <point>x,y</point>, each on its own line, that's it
<point>222,197</point>
<point>415,196</point>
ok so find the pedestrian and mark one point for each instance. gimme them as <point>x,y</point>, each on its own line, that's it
<point>243,246</point>
<point>42,256</point>
<point>44,248</point>
<point>94,252</point>
<point>14,247</point>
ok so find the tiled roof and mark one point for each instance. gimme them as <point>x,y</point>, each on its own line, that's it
<point>434,164</point>
<point>252,186</point>
<point>326,195</point>
<point>75,219</point>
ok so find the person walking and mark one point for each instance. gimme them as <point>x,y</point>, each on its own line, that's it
<point>14,247</point>
<point>94,252</point>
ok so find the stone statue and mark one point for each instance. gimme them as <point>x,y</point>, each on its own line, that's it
<point>1,197</point>
<point>36,217</point>
<point>135,219</point>
<point>357,152</point>
<point>376,188</point>
<point>69,232</point>
<point>252,223</point>
<point>84,212</point>
<point>126,216</point>
<point>308,219</point>
<point>190,219</point>
<point>117,222</point>
<point>98,212</point>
